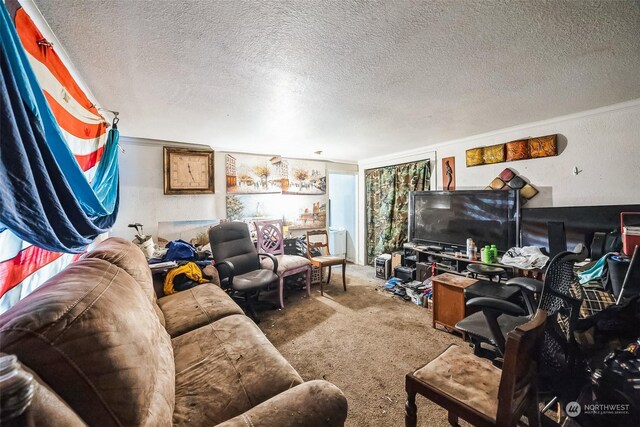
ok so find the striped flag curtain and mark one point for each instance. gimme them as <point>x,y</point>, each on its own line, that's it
<point>58,161</point>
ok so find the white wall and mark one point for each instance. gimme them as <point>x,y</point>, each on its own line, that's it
<point>142,197</point>
<point>603,143</point>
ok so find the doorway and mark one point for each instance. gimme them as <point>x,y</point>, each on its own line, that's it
<point>343,208</point>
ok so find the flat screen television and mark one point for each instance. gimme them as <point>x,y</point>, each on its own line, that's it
<point>448,218</point>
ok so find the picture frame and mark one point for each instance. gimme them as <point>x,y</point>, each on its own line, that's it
<point>449,173</point>
<point>188,171</point>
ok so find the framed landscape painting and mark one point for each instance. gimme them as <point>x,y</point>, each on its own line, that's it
<point>304,177</point>
<point>247,174</point>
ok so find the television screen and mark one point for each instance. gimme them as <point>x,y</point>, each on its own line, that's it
<point>449,218</point>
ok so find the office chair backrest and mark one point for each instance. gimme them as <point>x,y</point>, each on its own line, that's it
<point>231,241</point>
<point>559,277</point>
<point>519,368</point>
<point>557,355</point>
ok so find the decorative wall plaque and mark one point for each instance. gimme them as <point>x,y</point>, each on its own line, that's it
<point>494,154</point>
<point>475,156</point>
<point>544,146</point>
<point>508,179</point>
<point>517,150</point>
<point>449,173</point>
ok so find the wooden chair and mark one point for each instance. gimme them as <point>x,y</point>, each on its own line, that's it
<point>271,241</point>
<point>471,388</point>
<point>325,259</point>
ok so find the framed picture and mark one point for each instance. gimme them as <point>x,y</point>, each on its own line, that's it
<point>188,171</point>
<point>247,174</point>
<point>449,173</point>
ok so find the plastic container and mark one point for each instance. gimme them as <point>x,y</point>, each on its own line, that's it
<point>470,247</point>
<point>16,389</point>
<point>486,255</point>
<point>630,235</point>
<point>473,252</point>
<point>618,267</point>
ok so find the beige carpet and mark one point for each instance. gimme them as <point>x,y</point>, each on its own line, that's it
<point>364,341</point>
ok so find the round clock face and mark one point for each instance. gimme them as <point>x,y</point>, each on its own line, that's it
<point>189,172</point>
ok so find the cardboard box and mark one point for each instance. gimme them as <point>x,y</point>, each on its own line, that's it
<point>397,260</point>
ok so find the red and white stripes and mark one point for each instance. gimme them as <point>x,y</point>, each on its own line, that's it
<point>24,267</point>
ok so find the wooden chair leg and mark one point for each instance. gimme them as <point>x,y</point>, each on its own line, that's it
<point>321,283</point>
<point>329,275</point>
<point>411,411</point>
<point>281,286</point>
<point>452,418</point>
<point>533,414</point>
<point>344,280</point>
<point>309,282</point>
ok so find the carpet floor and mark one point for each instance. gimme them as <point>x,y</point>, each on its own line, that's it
<point>364,341</point>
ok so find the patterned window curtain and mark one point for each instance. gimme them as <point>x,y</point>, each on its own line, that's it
<point>387,204</point>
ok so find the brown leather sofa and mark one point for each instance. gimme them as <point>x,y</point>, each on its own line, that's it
<point>106,351</point>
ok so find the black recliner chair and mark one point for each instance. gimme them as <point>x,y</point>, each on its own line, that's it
<point>238,264</point>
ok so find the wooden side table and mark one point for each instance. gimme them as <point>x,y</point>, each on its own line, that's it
<point>448,299</point>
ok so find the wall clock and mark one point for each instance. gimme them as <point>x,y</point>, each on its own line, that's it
<point>188,171</point>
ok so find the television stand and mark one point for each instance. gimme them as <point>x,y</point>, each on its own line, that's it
<point>447,262</point>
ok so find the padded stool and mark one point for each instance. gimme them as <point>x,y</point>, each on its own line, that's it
<point>485,270</point>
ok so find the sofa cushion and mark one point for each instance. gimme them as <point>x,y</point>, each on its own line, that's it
<point>285,262</point>
<point>224,369</point>
<point>130,258</point>
<point>91,334</point>
<point>203,304</point>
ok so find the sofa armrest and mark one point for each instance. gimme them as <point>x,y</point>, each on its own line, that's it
<point>310,404</point>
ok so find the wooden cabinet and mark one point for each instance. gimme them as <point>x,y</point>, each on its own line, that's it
<point>448,299</point>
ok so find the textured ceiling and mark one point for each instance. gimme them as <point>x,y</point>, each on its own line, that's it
<point>352,78</point>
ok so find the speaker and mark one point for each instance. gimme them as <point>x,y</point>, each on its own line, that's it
<point>597,245</point>
<point>557,238</point>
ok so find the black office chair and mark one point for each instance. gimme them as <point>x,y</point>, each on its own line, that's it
<point>560,372</point>
<point>498,317</point>
<point>238,264</point>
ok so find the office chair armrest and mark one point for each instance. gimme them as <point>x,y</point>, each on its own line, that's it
<point>273,259</point>
<point>226,271</point>
<point>527,283</point>
<point>530,289</point>
<point>493,308</point>
<point>498,305</point>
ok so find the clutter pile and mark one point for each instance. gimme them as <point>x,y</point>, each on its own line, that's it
<point>415,291</point>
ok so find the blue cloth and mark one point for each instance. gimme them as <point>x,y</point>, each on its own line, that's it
<point>105,181</point>
<point>180,250</point>
<point>595,272</point>
<point>41,201</point>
